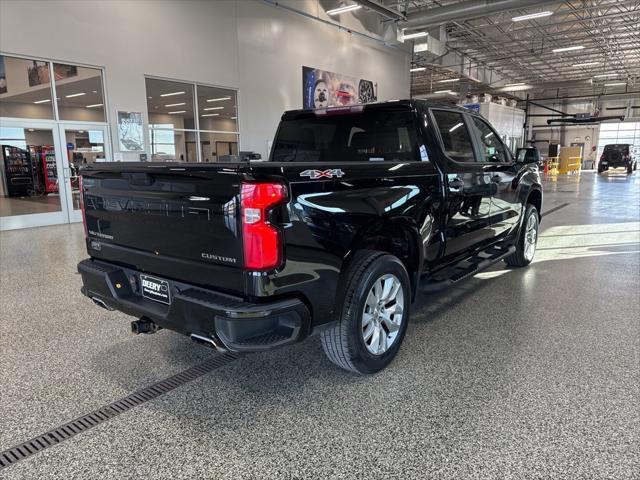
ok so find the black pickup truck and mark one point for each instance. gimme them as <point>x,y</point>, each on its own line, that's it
<point>357,211</point>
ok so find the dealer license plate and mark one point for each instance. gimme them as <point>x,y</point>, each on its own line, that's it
<point>155,289</point>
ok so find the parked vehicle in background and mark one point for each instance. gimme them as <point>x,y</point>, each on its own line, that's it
<point>616,156</point>
<point>358,209</point>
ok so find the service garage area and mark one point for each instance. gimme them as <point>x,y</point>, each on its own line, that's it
<point>428,268</point>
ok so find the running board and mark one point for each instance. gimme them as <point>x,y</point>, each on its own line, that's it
<point>466,268</point>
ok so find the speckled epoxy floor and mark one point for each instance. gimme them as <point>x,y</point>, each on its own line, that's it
<point>528,373</point>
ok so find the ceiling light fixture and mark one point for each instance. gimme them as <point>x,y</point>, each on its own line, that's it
<point>449,80</point>
<point>218,99</point>
<point>409,36</point>
<point>75,95</point>
<point>171,94</point>
<point>347,8</point>
<point>603,75</point>
<point>175,104</point>
<point>94,105</point>
<point>568,49</point>
<point>43,101</point>
<point>210,115</point>
<point>616,84</point>
<point>418,69</point>
<point>450,92</point>
<point>531,16</point>
<point>588,64</point>
<point>179,111</point>
<point>515,84</point>
<point>213,108</point>
<point>234,118</point>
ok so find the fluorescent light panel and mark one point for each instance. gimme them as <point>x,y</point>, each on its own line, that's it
<point>213,108</point>
<point>218,99</point>
<point>603,75</point>
<point>346,8</point>
<point>418,69</point>
<point>587,64</point>
<point>210,115</point>
<point>94,105</point>
<point>449,80</point>
<point>75,95</point>
<point>176,104</point>
<point>171,94</point>
<point>450,92</point>
<point>43,101</point>
<point>179,111</point>
<point>531,16</point>
<point>568,49</point>
<point>409,36</point>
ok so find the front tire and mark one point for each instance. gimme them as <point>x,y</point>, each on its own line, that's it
<point>527,239</point>
<point>373,316</point>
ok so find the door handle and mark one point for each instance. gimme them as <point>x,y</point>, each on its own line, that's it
<point>456,183</point>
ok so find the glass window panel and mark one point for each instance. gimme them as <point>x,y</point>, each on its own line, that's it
<point>217,109</point>
<point>79,93</point>
<point>218,147</point>
<point>172,145</point>
<point>28,172</point>
<point>25,88</point>
<point>84,147</point>
<point>455,136</point>
<point>170,103</point>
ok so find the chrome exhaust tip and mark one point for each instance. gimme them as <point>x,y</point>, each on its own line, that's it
<point>102,304</point>
<point>209,342</point>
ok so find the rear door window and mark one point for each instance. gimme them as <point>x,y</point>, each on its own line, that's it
<point>372,135</point>
<point>493,150</point>
<point>456,139</point>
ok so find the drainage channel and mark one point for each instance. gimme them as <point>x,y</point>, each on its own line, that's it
<point>58,435</point>
<point>554,209</point>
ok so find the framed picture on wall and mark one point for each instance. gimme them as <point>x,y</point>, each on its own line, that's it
<point>130,131</point>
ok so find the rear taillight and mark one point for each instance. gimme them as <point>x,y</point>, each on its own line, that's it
<point>84,217</point>
<point>262,241</point>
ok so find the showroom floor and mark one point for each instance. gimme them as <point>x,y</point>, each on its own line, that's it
<point>530,373</point>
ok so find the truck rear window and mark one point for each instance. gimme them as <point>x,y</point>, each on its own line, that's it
<point>371,135</point>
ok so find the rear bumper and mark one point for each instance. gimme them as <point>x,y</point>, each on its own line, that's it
<point>238,325</point>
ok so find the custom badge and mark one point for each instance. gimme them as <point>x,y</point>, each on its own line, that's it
<point>317,174</point>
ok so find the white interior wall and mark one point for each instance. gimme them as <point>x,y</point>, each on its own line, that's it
<point>243,44</point>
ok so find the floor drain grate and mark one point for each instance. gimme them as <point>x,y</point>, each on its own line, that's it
<point>60,434</point>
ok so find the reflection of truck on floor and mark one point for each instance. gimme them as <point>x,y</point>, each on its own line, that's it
<point>616,156</point>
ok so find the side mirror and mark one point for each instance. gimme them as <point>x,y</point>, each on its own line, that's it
<point>248,156</point>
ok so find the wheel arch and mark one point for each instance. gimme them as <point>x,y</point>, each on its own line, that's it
<point>398,237</point>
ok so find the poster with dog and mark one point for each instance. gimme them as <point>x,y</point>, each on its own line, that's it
<point>321,88</point>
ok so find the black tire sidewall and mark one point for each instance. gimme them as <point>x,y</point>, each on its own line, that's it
<point>362,359</point>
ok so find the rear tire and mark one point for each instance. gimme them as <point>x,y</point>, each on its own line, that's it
<point>527,239</point>
<point>370,326</point>
<point>630,169</point>
<point>600,169</point>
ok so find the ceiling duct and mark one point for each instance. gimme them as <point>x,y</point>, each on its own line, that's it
<point>460,11</point>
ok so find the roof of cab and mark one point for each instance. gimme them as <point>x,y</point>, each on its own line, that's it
<point>410,103</point>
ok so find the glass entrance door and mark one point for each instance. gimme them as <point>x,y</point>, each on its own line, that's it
<point>83,144</point>
<point>31,167</point>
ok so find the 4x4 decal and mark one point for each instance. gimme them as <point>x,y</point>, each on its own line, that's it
<point>316,174</point>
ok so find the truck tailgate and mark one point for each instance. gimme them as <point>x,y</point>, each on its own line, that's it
<point>181,222</point>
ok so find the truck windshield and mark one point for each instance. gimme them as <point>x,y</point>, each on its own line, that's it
<point>373,135</point>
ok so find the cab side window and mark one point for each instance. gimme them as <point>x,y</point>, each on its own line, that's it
<point>456,139</point>
<point>493,150</point>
